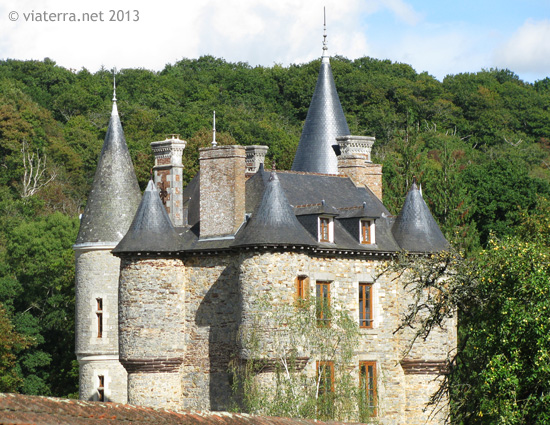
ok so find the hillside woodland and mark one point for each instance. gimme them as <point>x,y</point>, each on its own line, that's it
<point>479,145</point>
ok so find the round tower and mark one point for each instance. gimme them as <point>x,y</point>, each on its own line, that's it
<point>152,313</point>
<point>111,206</point>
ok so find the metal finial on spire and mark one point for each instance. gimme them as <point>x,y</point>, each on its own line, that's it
<point>114,85</point>
<point>115,109</point>
<point>325,46</point>
<point>214,143</point>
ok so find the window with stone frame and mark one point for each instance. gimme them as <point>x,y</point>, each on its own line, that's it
<point>365,305</point>
<point>322,303</point>
<point>366,232</point>
<point>101,388</point>
<point>302,290</point>
<point>99,314</point>
<point>367,388</point>
<point>326,232</point>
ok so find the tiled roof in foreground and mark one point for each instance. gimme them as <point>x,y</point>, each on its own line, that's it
<point>22,409</point>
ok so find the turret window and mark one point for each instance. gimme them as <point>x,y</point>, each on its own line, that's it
<point>99,314</point>
<point>101,388</point>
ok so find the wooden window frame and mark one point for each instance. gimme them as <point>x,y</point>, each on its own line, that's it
<point>99,314</point>
<point>366,313</point>
<point>365,381</point>
<point>302,290</point>
<point>101,388</point>
<point>325,228</point>
<point>320,300</point>
<point>366,231</point>
<point>321,367</point>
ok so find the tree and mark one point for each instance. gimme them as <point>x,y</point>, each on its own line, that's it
<point>310,363</point>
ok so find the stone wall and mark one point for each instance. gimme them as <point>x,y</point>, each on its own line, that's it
<point>223,294</point>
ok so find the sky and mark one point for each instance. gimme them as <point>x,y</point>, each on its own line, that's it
<point>440,37</point>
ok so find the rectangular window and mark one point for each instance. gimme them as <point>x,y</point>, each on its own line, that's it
<point>325,395</point>
<point>99,314</point>
<point>367,386</point>
<point>101,388</point>
<point>302,289</point>
<point>324,229</point>
<point>366,230</point>
<point>323,303</point>
<point>365,305</point>
<point>325,376</point>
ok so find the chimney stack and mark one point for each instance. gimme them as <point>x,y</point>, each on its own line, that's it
<point>222,190</point>
<point>355,162</point>
<point>168,174</point>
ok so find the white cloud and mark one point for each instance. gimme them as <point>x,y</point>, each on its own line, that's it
<point>527,49</point>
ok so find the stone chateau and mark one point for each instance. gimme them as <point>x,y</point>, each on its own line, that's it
<point>164,281</point>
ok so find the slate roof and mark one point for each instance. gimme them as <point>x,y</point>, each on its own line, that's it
<point>151,230</point>
<point>325,122</point>
<point>415,229</point>
<point>273,222</point>
<point>25,410</point>
<point>115,193</point>
<point>284,207</point>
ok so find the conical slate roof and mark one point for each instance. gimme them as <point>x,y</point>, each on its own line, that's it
<point>115,193</point>
<point>274,222</point>
<point>325,122</point>
<point>151,229</point>
<point>415,228</point>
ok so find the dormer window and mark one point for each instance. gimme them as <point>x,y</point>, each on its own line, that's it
<point>366,232</point>
<point>326,229</point>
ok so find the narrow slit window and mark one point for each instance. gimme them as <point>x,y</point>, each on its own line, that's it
<point>99,314</point>
<point>101,388</point>
<point>365,305</point>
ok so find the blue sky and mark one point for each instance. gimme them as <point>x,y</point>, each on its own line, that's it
<point>439,37</point>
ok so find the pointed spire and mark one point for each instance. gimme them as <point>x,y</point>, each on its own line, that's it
<point>415,228</point>
<point>274,222</point>
<point>151,230</point>
<point>325,122</point>
<point>115,193</point>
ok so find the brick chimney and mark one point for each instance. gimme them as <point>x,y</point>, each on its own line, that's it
<point>222,190</point>
<point>355,162</point>
<point>167,175</point>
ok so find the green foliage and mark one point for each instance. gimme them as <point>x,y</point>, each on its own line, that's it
<point>289,340</point>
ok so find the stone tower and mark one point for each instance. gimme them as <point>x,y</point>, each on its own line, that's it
<point>111,206</point>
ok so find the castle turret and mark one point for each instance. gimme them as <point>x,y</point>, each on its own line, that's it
<point>325,122</point>
<point>111,205</point>
<point>152,319</point>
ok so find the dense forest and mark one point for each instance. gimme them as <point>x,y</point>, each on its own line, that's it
<point>479,144</point>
